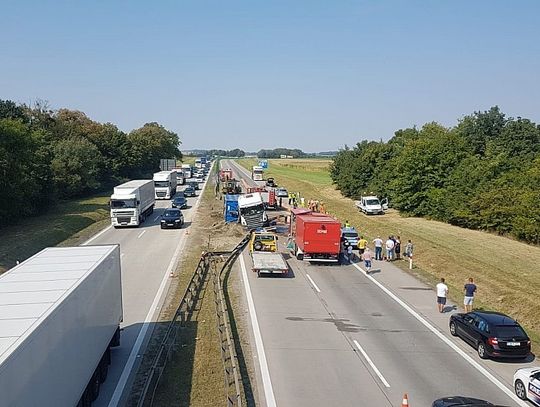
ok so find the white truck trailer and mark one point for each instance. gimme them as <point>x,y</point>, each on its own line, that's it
<point>165,184</point>
<point>132,202</point>
<point>269,262</point>
<point>60,312</point>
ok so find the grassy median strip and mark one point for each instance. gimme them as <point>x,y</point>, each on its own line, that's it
<point>68,223</point>
<point>506,271</point>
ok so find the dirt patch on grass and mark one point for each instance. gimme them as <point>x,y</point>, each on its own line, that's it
<point>506,271</point>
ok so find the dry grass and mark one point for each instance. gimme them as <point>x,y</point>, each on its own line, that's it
<point>506,271</point>
<point>194,376</point>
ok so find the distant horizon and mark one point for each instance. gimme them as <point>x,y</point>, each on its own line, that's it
<point>241,74</point>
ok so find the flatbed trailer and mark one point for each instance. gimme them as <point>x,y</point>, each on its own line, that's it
<point>269,263</point>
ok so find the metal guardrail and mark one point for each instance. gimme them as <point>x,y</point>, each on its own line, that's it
<point>170,343</point>
<point>228,350</point>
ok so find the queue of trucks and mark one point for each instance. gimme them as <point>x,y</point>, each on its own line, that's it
<point>60,315</point>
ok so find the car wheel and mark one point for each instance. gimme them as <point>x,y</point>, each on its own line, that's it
<point>521,392</point>
<point>453,331</point>
<point>162,227</point>
<point>482,351</point>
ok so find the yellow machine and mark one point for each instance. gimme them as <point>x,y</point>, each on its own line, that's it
<point>262,241</point>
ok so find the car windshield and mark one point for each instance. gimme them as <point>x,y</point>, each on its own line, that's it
<point>350,234</point>
<point>161,184</point>
<point>252,210</point>
<point>179,199</point>
<point>117,204</point>
<point>510,331</point>
<point>372,202</point>
<point>171,213</point>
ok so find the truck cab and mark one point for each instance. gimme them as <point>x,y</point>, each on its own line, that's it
<point>350,237</point>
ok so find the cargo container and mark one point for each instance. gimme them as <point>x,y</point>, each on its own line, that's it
<point>317,237</point>
<point>60,312</point>
<point>132,202</point>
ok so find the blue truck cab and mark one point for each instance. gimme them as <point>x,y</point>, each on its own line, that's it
<point>349,236</point>
<point>231,211</point>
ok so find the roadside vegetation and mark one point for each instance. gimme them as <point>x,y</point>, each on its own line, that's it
<point>482,174</point>
<point>505,270</point>
<point>48,156</point>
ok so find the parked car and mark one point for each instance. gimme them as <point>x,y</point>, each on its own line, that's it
<point>172,218</point>
<point>190,191</point>
<point>461,401</point>
<point>179,202</point>
<point>282,193</point>
<point>527,384</point>
<point>270,182</point>
<point>493,334</point>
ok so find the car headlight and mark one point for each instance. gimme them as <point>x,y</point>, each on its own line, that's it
<point>162,220</point>
<point>177,220</point>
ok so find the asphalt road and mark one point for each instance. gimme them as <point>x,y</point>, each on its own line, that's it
<point>148,254</point>
<point>330,335</point>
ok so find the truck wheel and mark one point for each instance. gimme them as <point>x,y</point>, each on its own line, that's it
<point>300,256</point>
<point>94,385</point>
<point>103,367</point>
<point>115,341</point>
<point>85,400</point>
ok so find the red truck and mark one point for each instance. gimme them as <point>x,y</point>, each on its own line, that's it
<point>268,196</point>
<point>317,237</point>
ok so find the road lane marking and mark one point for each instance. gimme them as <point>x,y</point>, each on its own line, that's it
<point>447,341</point>
<point>313,283</point>
<point>156,218</point>
<point>142,233</point>
<point>96,236</point>
<point>371,363</point>
<point>263,364</point>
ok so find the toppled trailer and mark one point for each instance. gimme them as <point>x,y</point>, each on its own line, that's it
<point>60,312</point>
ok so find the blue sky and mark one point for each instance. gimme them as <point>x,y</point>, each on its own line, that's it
<point>261,74</point>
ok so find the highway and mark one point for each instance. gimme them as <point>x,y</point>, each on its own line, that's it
<point>148,254</point>
<point>332,335</point>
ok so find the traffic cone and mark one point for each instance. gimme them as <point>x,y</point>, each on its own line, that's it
<point>187,231</point>
<point>405,402</point>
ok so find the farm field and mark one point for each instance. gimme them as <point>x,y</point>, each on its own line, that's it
<point>506,271</point>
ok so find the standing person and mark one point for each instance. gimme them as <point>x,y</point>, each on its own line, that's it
<point>397,247</point>
<point>362,244</point>
<point>366,256</point>
<point>290,198</point>
<point>302,202</point>
<point>390,249</point>
<point>470,289</point>
<point>350,253</point>
<point>378,247</point>
<point>442,292</point>
<point>409,249</point>
<point>347,224</point>
<point>323,207</point>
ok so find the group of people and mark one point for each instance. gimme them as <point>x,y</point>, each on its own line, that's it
<point>469,289</point>
<point>392,247</point>
<point>314,205</point>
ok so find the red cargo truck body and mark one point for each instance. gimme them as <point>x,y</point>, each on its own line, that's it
<point>317,237</point>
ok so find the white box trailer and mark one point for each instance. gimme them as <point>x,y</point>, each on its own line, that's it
<point>60,312</point>
<point>165,184</point>
<point>132,202</point>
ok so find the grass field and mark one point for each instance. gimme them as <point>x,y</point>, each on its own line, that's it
<point>68,223</point>
<point>506,271</point>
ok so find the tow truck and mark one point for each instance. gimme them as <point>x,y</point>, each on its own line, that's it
<point>264,252</point>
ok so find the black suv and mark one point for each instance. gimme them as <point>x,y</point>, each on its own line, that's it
<point>172,218</point>
<point>189,191</point>
<point>492,334</point>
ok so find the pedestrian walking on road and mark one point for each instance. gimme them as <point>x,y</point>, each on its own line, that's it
<point>378,247</point>
<point>362,244</point>
<point>409,249</point>
<point>397,247</point>
<point>350,253</point>
<point>442,292</point>
<point>470,289</point>
<point>366,256</point>
<point>390,249</point>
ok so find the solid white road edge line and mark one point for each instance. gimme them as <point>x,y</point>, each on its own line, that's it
<point>142,233</point>
<point>447,341</point>
<point>96,235</point>
<point>263,364</point>
<point>371,363</point>
<point>313,283</point>
<point>120,386</point>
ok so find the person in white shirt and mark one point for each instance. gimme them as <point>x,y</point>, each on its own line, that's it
<point>390,249</point>
<point>378,248</point>
<point>442,292</point>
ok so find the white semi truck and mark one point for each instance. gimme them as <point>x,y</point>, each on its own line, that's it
<point>257,173</point>
<point>132,202</point>
<point>252,210</point>
<point>165,184</point>
<point>60,312</point>
<point>186,169</point>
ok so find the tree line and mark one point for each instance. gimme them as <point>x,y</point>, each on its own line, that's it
<point>47,155</point>
<point>278,152</point>
<point>483,173</point>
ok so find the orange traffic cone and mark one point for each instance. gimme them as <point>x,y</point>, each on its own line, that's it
<point>405,402</point>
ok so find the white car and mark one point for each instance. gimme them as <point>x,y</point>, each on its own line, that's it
<point>527,384</point>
